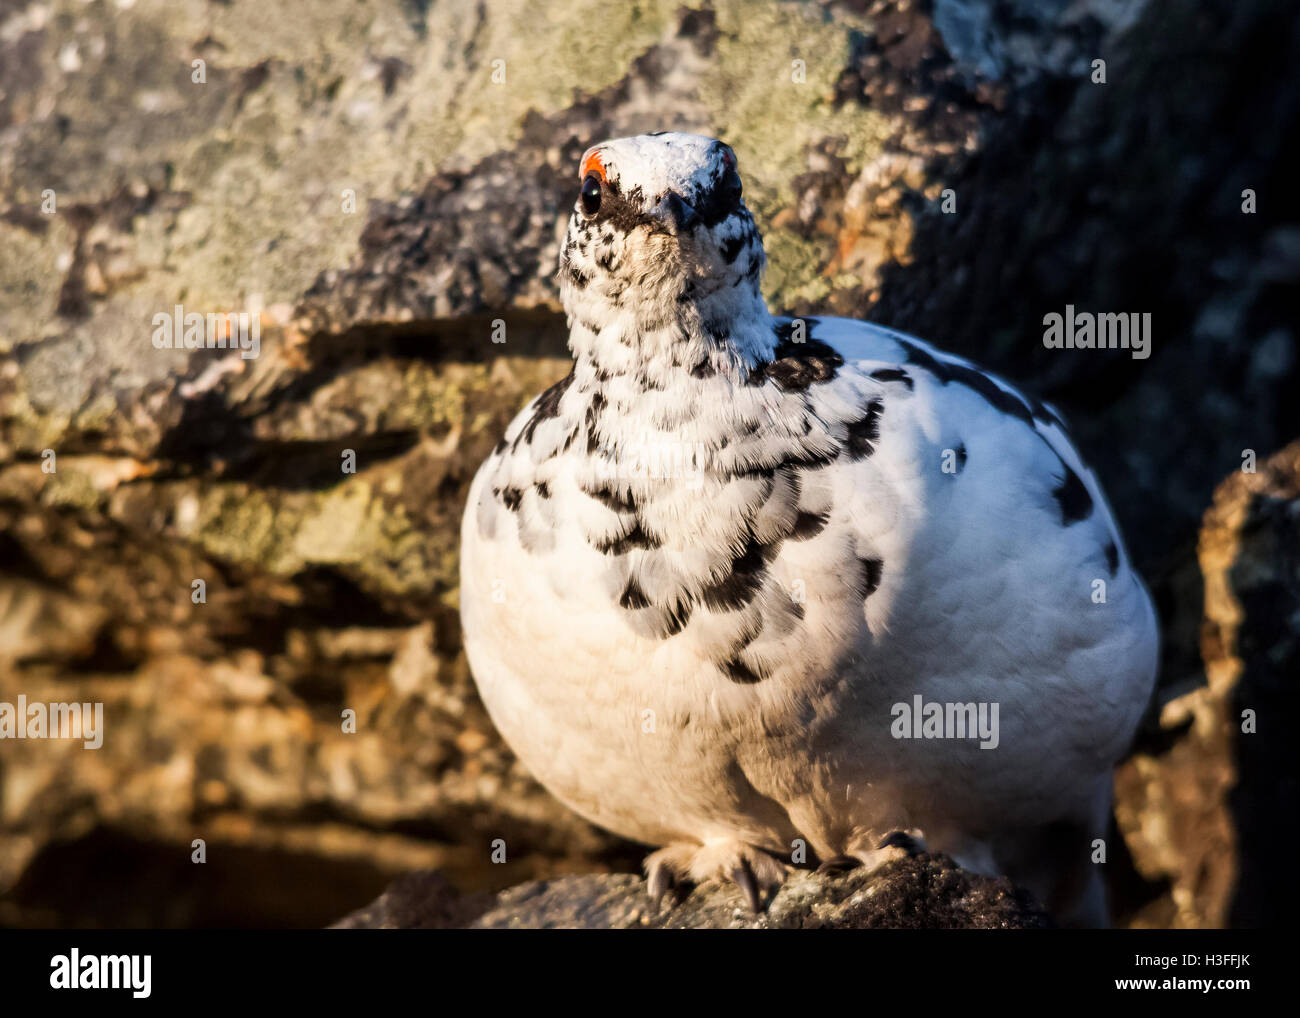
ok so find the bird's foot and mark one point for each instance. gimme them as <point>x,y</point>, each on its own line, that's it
<point>751,869</point>
<point>895,845</point>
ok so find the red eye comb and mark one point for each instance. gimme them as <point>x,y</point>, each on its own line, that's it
<point>591,163</point>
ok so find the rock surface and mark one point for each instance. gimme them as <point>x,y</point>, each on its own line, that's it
<point>923,892</point>
<point>360,174</point>
<point>1210,802</point>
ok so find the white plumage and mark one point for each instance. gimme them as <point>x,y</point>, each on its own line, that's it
<point>699,574</point>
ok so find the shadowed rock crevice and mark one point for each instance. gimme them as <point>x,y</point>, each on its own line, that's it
<point>112,878</point>
<point>1035,231</point>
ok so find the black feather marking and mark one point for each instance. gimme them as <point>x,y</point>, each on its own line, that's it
<point>795,367</point>
<point>946,372</point>
<point>625,213</point>
<point>893,375</point>
<point>720,200</point>
<point>863,434</point>
<point>593,417</point>
<point>869,583</point>
<point>733,247</point>
<point>753,627</point>
<point>676,616</point>
<point>512,497</point>
<point>543,489</point>
<point>1042,412</point>
<point>1072,497</point>
<point>808,525</point>
<point>742,584</point>
<point>813,461</point>
<point>733,593</point>
<point>717,330</point>
<point>737,671</point>
<point>633,598</point>
<point>611,499</point>
<point>636,538</point>
<point>545,408</point>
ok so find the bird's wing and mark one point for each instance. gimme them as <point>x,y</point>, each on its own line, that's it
<point>974,516</point>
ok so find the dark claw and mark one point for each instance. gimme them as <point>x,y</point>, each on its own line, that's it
<point>839,864</point>
<point>902,840</point>
<point>659,884</point>
<point>743,877</point>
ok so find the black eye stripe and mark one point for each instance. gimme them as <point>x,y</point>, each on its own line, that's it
<point>715,200</point>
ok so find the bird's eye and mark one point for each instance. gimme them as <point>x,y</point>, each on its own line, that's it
<point>591,194</point>
<point>732,183</point>
<point>730,175</point>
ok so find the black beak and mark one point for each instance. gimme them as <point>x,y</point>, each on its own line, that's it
<point>677,213</point>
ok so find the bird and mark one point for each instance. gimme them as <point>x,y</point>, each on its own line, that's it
<point>742,587</point>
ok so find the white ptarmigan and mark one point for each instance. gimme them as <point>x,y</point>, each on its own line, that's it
<point>706,577</point>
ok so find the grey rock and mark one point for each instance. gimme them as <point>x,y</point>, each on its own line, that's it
<point>920,892</point>
<point>1210,802</point>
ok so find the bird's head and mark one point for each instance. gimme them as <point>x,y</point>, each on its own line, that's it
<point>658,223</point>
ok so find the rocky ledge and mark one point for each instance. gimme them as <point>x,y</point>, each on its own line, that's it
<point>921,892</point>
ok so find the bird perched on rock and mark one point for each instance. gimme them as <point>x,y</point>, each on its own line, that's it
<point>763,590</point>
